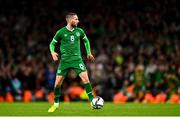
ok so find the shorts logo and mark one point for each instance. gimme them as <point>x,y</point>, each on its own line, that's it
<point>59,71</point>
<point>65,35</point>
<point>81,66</point>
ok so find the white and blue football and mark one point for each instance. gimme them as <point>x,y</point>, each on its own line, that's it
<point>97,102</point>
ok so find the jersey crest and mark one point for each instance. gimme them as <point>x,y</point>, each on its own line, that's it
<point>77,34</point>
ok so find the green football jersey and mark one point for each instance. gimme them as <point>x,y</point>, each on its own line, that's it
<point>69,43</point>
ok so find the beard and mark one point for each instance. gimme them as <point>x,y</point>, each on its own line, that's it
<point>74,25</point>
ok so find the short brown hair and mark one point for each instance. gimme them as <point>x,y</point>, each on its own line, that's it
<point>70,14</point>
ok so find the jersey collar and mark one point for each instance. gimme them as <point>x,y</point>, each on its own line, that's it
<point>69,29</point>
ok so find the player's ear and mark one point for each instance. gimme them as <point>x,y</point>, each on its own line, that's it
<point>66,19</point>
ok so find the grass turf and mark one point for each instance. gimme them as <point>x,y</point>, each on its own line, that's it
<point>83,109</point>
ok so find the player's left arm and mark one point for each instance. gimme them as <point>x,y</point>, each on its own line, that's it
<point>87,46</point>
<point>52,46</point>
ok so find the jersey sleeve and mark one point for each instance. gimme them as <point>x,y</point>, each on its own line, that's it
<point>86,42</point>
<point>57,36</point>
<point>83,35</point>
<point>55,39</point>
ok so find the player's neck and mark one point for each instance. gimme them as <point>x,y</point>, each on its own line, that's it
<point>69,27</point>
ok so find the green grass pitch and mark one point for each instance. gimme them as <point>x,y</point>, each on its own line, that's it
<point>83,109</point>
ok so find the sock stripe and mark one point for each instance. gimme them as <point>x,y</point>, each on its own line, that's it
<point>89,92</point>
<point>57,96</point>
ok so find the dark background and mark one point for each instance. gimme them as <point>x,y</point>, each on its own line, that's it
<point>136,43</point>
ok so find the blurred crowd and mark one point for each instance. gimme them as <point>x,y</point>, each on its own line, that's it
<point>136,45</point>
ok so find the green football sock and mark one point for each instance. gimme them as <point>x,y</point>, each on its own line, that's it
<point>57,92</point>
<point>88,89</point>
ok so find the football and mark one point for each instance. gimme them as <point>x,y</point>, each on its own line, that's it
<point>97,102</point>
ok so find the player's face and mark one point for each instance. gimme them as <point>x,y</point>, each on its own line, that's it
<point>74,21</point>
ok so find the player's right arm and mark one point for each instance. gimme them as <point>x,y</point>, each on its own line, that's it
<point>87,46</point>
<point>53,44</point>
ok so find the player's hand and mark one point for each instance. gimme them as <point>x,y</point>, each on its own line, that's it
<point>54,56</point>
<point>90,57</point>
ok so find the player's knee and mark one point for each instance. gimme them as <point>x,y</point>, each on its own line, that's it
<point>59,80</point>
<point>84,77</point>
<point>85,80</point>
